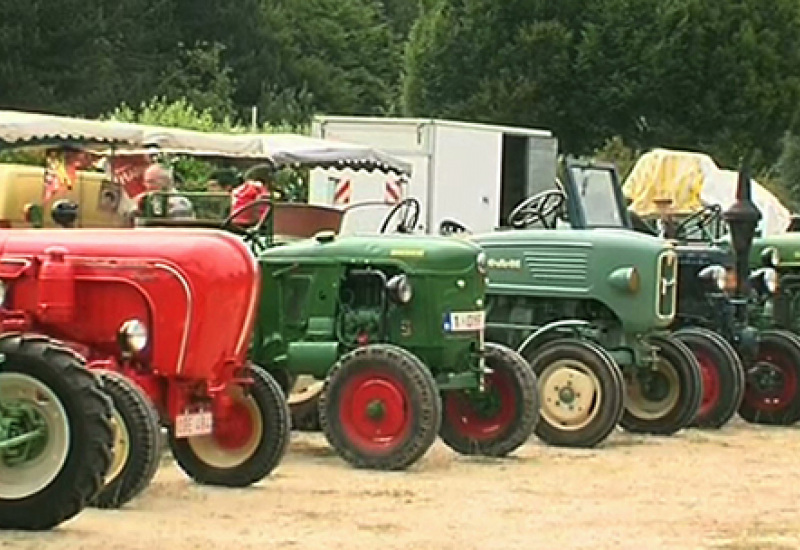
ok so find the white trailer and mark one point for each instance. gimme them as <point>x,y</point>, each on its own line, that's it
<point>471,173</point>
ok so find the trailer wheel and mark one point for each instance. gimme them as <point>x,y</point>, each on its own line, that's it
<point>772,394</point>
<point>666,398</point>
<point>380,408</point>
<point>722,376</point>
<point>245,447</point>
<point>137,445</point>
<point>498,420</point>
<point>45,389</point>
<point>580,391</point>
<point>304,405</point>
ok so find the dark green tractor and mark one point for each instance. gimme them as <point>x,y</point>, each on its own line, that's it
<point>589,303</point>
<point>393,324</point>
<point>730,284</point>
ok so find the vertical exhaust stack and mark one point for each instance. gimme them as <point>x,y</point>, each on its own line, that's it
<point>742,217</point>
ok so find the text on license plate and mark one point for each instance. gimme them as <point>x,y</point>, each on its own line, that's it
<point>194,424</point>
<point>463,321</point>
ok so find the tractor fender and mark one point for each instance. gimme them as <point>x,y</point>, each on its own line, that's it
<point>572,327</point>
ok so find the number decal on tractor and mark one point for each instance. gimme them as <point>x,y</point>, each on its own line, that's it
<point>192,424</point>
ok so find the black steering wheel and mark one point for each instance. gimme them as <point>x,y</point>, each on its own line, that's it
<point>451,227</point>
<point>251,233</point>
<point>408,219</point>
<point>537,208</point>
<point>700,219</point>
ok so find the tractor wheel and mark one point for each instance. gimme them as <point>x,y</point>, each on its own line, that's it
<point>772,394</point>
<point>665,398</point>
<point>137,442</point>
<point>722,376</point>
<point>380,408</point>
<point>47,394</point>
<point>497,420</point>
<point>247,445</point>
<point>304,405</point>
<point>580,390</point>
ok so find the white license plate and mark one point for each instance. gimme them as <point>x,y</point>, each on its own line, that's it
<point>194,424</point>
<point>465,321</point>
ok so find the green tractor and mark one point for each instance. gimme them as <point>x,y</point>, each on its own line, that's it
<point>394,325</point>
<point>589,303</point>
<point>56,433</point>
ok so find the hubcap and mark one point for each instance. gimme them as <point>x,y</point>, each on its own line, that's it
<point>122,447</point>
<point>653,394</point>
<point>375,410</point>
<point>711,384</point>
<point>30,408</point>
<point>235,438</point>
<point>483,415</point>
<point>570,394</point>
<point>771,383</point>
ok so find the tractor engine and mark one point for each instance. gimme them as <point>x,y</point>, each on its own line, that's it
<point>361,315</point>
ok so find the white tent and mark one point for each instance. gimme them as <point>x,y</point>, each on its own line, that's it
<point>692,180</point>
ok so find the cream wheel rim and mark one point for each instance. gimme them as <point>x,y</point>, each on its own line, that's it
<point>122,447</point>
<point>208,449</point>
<point>570,395</point>
<point>640,406</point>
<point>30,477</point>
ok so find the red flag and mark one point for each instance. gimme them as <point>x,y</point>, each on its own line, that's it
<point>128,171</point>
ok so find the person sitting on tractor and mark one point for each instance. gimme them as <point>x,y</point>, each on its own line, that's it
<point>157,178</point>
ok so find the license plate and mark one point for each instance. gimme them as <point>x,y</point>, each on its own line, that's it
<point>192,424</point>
<point>465,321</point>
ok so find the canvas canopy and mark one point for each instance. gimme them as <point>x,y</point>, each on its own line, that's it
<point>20,129</point>
<point>692,180</point>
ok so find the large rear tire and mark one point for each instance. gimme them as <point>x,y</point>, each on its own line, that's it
<point>248,445</point>
<point>380,408</point>
<point>498,420</point>
<point>722,376</point>
<point>665,399</point>
<point>48,480</point>
<point>137,445</point>
<point>772,392</point>
<point>580,391</point>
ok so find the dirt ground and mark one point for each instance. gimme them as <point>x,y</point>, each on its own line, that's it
<point>733,489</point>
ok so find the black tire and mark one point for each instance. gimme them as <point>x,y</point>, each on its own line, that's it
<point>269,441</point>
<point>772,392</point>
<point>599,369</point>
<point>388,370</point>
<point>88,413</point>
<point>722,376</point>
<point>304,408</point>
<point>680,363</point>
<point>141,431</point>
<point>512,386</point>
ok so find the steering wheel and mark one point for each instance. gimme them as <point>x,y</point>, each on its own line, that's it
<point>451,227</point>
<point>537,208</point>
<point>700,219</point>
<point>251,233</point>
<point>408,220</point>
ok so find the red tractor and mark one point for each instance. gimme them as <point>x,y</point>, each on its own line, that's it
<point>171,311</point>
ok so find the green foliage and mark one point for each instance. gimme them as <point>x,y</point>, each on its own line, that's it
<point>615,150</point>
<point>788,169</point>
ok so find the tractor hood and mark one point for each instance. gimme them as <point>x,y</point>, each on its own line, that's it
<point>787,245</point>
<point>413,253</point>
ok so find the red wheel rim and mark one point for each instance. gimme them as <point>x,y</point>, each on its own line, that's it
<point>375,411</point>
<point>235,429</point>
<point>469,420</point>
<point>770,400</point>
<point>711,383</point>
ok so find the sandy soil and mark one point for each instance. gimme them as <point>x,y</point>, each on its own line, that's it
<point>733,489</point>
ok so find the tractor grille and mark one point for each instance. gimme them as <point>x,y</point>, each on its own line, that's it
<point>668,283</point>
<point>568,267</point>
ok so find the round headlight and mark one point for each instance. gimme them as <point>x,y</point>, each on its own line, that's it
<point>764,280</point>
<point>771,280</point>
<point>770,257</point>
<point>399,288</point>
<point>133,335</point>
<point>714,276</point>
<point>482,263</point>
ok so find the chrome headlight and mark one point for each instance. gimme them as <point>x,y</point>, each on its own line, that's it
<point>764,281</point>
<point>482,263</point>
<point>133,336</point>
<point>770,257</point>
<point>399,288</point>
<point>714,276</point>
